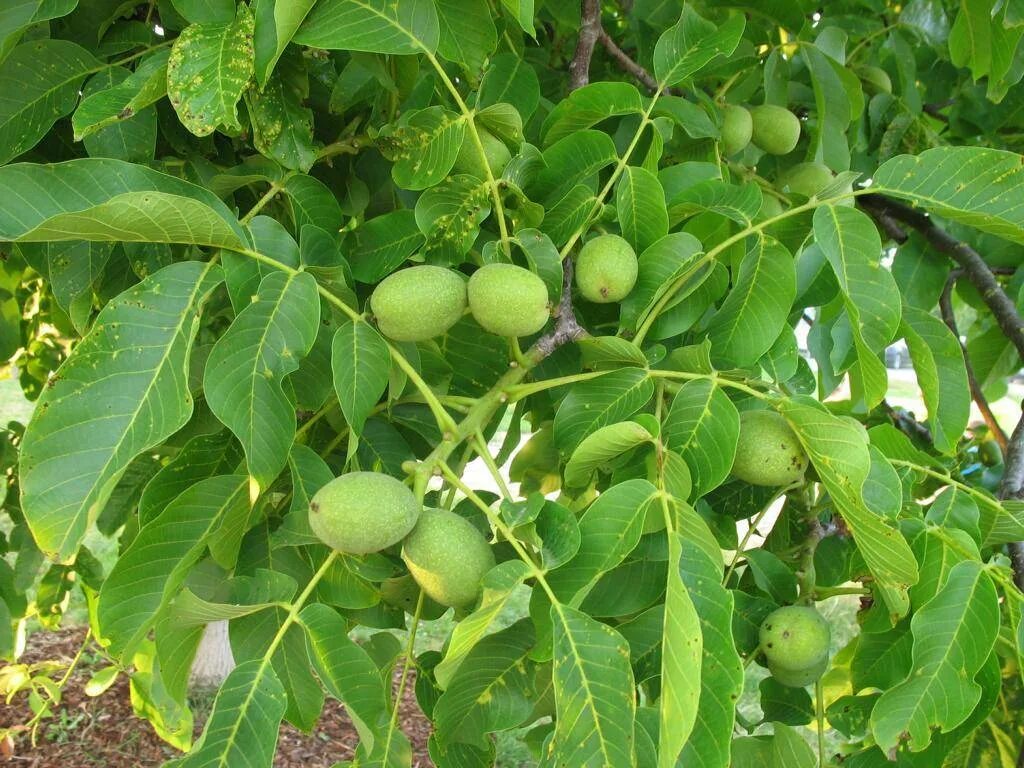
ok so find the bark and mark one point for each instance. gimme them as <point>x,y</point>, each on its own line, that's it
<point>214,660</point>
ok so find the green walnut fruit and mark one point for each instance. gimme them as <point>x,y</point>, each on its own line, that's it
<point>469,160</point>
<point>508,300</point>
<point>876,80</point>
<point>990,453</point>
<point>774,129</point>
<point>795,639</point>
<point>806,179</point>
<point>606,269</point>
<point>363,512</point>
<point>768,452</point>
<point>771,207</point>
<point>418,303</point>
<point>737,127</point>
<point>798,678</point>
<point>448,557</point>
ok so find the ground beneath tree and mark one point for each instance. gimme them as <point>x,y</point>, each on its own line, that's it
<point>88,732</point>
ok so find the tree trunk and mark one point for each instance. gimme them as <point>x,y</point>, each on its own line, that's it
<point>214,660</point>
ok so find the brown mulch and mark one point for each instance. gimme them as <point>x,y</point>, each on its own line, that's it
<point>87,732</point>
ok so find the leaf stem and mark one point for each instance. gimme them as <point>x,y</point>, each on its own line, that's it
<point>410,646</point>
<point>483,451</point>
<point>751,530</point>
<point>492,184</point>
<point>819,708</point>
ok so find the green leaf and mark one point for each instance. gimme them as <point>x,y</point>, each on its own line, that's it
<point>132,138</point>
<point>201,457</point>
<point>40,82</point>
<point>954,508</point>
<point>98,199</point>
<point>741,204</point>
<point>243,726</point>
<point>265,634</point>
<point>755,310</point>
<point>209,68</point>
<point>571,161</point>
<point>976,186</point>
<point>721,672</point>
<point>490,691</point>
<point>594,720</point>
<point>781,704</point>
<point>941,375</point>
<point>510,80</point>
<point>449,215</point>
<point>18,15</point>
<point>360,360</point>
<point>132,370</point>
<point>881,659</point>
<point>275,22</point>
<point>839,452</point>
<point>609,529</point>
<point>852,246</point>
<point>382,244</point>
<point>703,426</point>
<point>661,264</point>
<point>590,405</point>
<point>522,11</point>
<point>833,109</point>
<point>640,203</point>
<point>970,39</point>
<point>785,748</point>
<point>424,147</point>
<point>282,129</point>
<point>467,33</point>
<point>375,26</point>
<point>122,100</point>
<point>587,106</point>
<point>346,670</point>
<point>499,585</point>
<point>686,48</point>
<point>682,649</point>
<point>75,269</point>
<point>600,447</point>
<point>206,11</point>
<point>245,372</point>
<point>150,573</point>
<point>953,636</point>
<point>312,202</point>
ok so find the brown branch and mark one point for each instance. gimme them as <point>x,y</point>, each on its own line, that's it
<point>1012,487</point>
<point>949,318</point>
<point>624,60</point>
<point>890,214</point>
<point>906,423</point>
<point>566,329</point>
<point>590,30</point>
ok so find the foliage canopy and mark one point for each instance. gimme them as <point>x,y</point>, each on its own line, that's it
<point>199,199</point>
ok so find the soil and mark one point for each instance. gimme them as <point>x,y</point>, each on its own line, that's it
<point>87,732</point>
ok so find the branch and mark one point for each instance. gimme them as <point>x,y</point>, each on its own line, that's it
<point>890,214</point>
<point>626,62</point>
<point>566,328</point>
<point>590,30</point>
<point>949,318</point>
<point>935,110</point>
<point>907,424</point>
